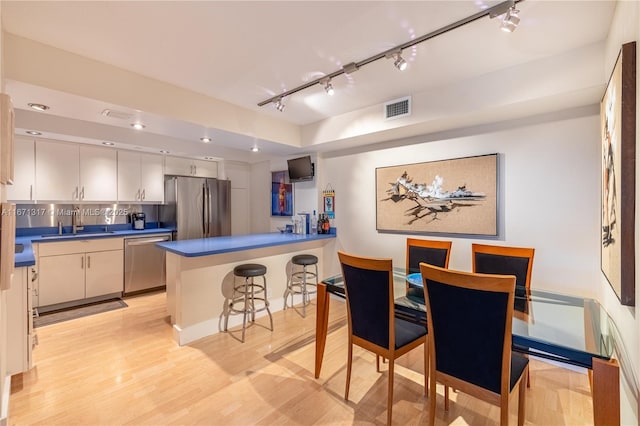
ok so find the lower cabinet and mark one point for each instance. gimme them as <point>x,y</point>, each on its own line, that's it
<point>21,337</point>
<point>73,271</point>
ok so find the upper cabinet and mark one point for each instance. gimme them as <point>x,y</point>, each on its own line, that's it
<point>69,172</point>
<point>24,180</point>
<point>189,167</point>
<point>140,177</point>
<point>7,125</point>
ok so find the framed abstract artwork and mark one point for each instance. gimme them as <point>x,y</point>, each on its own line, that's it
<point>281,194</point>
<point>457,196</point>
<point>618,174</point>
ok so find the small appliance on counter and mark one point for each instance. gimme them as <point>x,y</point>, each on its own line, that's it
<point>138,220</point>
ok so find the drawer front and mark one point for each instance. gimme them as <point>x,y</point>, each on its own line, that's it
<point>80,246</point>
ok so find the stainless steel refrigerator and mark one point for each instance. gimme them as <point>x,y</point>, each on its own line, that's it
<point>196,207</point>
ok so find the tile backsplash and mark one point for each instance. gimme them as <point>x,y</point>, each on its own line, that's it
<point>43,215</point>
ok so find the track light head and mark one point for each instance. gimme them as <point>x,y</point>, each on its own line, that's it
<point>279,104</point>
<point>328,87</point>
<point>511,20</point>
<point>398,60</point>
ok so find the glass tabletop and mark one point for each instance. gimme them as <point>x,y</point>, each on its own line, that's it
<point>551,325</point>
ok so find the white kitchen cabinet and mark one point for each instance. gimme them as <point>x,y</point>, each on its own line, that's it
<point>72,272</point>
<point>104,273</point>
<point>61,278</point>
<point>21,336</point>
<point>140,177</point>
<point>190,167</point>
<point>57,171</point>
<point>25,169</point>
<point>70,172</point>
<point>98,177</point>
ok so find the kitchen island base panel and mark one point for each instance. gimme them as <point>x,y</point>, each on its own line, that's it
<point>198,286</point>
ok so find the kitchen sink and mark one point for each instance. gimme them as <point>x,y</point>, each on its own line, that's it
<point>19,248</point>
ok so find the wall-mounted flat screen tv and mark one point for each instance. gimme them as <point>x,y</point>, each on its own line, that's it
<point>300,169</point>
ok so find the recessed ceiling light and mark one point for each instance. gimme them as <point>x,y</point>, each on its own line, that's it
<point>108,143</point>
<point>33,133</point>
<point>209,158</point>
<point>164,151</point>
<point>138,126</point>
<point>38,107</point>
<point>205,140</point>
<point>255,149</point>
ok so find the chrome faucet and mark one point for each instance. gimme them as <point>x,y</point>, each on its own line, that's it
<point>74,221</point>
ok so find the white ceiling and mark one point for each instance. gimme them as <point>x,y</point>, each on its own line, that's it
<point>244,52</point>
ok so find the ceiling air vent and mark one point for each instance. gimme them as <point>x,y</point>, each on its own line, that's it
<point>397,108</point>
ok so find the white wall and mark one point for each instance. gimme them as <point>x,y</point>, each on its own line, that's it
<point>625,27</point>
<point>550,198</point>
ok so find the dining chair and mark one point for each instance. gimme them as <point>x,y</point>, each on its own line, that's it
<point>368,284</point>
<point>469,318</point>
<point>433,252</point>
<point>518,261</point>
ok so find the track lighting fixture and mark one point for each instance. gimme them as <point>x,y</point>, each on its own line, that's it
<point>328,87</point>
<point>398,60</point>
<point>509,23</point>
<point>279,104</point>
<point>510,20</point>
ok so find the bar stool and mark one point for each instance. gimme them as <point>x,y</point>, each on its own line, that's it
<point>246,293</point>
<point>298,282</point>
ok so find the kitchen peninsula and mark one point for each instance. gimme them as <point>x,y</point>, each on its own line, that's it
<point>200,275</point>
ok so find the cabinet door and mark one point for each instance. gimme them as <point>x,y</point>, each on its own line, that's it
<point>57,169</point>
<point>61,278</point>
<point>98,174</point>
<point>152,178</point>
<point>178,166</point>
<point>129,187</point>
<point>105,273</point>
<point>25,168</point>
<point>205,168</point>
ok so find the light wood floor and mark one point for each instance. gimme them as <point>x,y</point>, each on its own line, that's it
<point>122,367</point>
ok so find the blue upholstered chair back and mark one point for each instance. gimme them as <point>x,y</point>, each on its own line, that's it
<point>368,294</point>
<point>486,263</point>
<point>469,331</point>
<point>430,255</point>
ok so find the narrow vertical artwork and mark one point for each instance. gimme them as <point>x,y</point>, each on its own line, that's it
<point>618,130</point>
<point>281,194</point>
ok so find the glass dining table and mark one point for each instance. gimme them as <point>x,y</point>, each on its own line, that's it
<point>562,328</point>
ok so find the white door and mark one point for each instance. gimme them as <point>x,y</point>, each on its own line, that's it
<point>57,170</point>
<point>104,273</point>
<point>25,169</point>
<point>98,174</point>
<point>152,178</point>
<point>61,278</point>
<point>129,187</point>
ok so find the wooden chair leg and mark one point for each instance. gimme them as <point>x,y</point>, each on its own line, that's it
<point>349,359</point>
<point>446,398</point>
<point>432,399</point>
<point>377,363</point>
<point>426,368</point>
<point>504,410</point>
<point>390,396</point>
<point>521,394</point>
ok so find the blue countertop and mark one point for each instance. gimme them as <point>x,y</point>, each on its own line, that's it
<point>218,245</point>
<point>26,258</point>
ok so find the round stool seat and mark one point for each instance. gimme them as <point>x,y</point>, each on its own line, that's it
<point>249,270</point>
<point>304,259</point>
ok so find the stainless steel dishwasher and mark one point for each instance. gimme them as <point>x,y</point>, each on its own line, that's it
<point>144,265</point>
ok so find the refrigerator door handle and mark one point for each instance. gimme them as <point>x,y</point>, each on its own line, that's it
<point>207,203</point>
<point>204,209</point>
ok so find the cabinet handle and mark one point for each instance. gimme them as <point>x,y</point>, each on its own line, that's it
<point>31,192</point>
<point>82,194</point>
<point>142,196</point>
<point>75,197</point>
<point>82,262</point>
<point>88,262</point>
<point>138,194</point>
